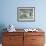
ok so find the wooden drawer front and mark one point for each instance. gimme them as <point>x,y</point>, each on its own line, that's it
<point>27,41</point>
<point>13,33</point>
<point>34,33</point>
<point>37,45</point>
<point>12,44</point>
<point>33,40</point>
<point>12,39</point>
<point>37,39</point>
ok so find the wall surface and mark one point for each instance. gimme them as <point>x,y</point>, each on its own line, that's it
<point>8,13</point>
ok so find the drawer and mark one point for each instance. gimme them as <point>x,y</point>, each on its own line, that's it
<point>12,44</point>
<point>21,44</point>
<point>12,39</point>
<point>34,33</point>
<point>13,33</point>
<point>34,39</point>
<point>37,39</point>
<point>37,44</point>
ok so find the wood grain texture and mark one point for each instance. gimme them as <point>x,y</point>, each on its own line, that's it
<point>34,39</point>
<point>23,39</point>
<point>13,39</point>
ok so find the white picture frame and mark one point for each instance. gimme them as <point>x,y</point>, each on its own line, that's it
<point>26,14</point>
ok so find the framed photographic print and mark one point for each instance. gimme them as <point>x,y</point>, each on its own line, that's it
<point>26,14</point>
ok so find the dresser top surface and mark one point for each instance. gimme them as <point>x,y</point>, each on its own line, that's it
<point>22,30</point>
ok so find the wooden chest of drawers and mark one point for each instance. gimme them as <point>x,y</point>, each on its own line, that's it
<point>23,39</point>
